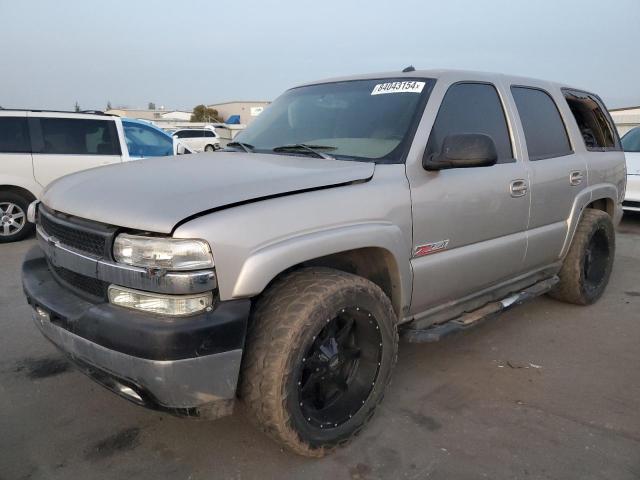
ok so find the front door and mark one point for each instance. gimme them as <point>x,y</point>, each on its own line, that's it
<point>469,224</point>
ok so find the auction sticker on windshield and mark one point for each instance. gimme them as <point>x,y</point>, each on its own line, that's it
<point>398,87</point>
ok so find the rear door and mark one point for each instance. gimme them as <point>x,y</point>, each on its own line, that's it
<point>210,138</point>
<point>67,144</point>
<point>200,140</point>
<point>557,172</point>
<point>469,224</point>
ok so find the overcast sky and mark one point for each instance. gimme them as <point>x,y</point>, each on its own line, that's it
<point>182,53</point>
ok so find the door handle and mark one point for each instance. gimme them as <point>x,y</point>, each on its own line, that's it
<point>518,188</point>
<point>576,177</point>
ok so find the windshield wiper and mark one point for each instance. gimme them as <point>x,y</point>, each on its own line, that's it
<point>304,148</point>
<point>245,146</point>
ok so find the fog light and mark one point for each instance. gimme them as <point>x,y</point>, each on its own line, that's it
<point>175,305</point>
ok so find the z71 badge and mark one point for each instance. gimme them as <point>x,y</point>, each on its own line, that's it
<point>428,248</point>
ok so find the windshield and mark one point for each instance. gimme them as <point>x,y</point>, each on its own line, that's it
<point>371,120</point>
<point>631,140</point>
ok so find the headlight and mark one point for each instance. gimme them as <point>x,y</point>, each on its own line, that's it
<point>158,252</point>
<point>176,305</point>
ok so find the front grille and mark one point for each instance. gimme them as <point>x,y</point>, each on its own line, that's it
<point>88,239</point>
<point>97,289</point>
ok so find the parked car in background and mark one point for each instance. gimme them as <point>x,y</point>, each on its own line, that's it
<point>631,147</point>
<point>37,147</point>
<point>199,139</point>
<point>146,140</point>
<point>351,212</point>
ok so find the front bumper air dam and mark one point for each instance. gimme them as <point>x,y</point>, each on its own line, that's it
<point>187,366</point>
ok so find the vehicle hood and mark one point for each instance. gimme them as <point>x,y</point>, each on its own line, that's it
<point>633,163</point>
<point>156,194</point>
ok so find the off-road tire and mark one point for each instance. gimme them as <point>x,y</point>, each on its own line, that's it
<point>284,323</point>
<point>573,286</point>
<point>23,203</point>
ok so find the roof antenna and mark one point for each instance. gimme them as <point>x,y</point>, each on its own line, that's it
<point>410,68</point>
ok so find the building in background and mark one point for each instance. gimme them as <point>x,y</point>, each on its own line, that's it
<point>244,111</point>
<point>625,118</point>
<point>160,117</point>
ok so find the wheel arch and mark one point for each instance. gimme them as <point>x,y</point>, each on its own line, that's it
<point>599,197</point>
<point>375,252</point>
<point>26,193</point>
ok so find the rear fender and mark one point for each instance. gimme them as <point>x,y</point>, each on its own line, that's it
<point>605,191</point>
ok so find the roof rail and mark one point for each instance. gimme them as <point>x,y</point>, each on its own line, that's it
<point>44,110</point>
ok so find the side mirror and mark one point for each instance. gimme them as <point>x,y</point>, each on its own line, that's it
<point>179,148</point>
<point>463,150</point>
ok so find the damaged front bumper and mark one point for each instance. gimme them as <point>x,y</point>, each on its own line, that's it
<point>186,366</point>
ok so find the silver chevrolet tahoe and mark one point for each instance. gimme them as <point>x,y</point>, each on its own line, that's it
<point>279,274</point>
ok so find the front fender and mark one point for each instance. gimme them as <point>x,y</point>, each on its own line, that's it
<point>255,242</point>
<point>264,264</point>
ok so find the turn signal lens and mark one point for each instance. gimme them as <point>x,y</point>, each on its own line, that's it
<point>174,305</point>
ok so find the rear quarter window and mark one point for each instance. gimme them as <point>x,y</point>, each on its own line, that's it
<point>595,124</point>
<point>544,130</point>
<point>14,135</point>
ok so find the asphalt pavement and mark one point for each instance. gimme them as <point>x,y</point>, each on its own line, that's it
<point>545,391</point>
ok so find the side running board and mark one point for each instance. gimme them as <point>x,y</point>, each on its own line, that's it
<point>433,333</point>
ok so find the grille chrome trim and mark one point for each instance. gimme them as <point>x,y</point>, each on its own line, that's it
<point>91,239</point>
<point>60,255</point>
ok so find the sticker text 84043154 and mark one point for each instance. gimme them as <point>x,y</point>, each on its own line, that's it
<point>398,87</point>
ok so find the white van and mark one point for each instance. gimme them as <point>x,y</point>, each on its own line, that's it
<point>199,139</point>
<point>37,147</point>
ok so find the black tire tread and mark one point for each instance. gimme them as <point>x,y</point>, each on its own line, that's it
<point>278,320</point>
<point>569,289</point>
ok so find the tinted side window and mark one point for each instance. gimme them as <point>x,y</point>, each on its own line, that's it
<point>543,127</point>
<point>209,134</point>
<point>471,108</point>
<point>14,135</point>
<point>595,125</point>
<point>73,136</point>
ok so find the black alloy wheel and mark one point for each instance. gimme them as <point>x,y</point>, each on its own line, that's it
<point>339,371</point>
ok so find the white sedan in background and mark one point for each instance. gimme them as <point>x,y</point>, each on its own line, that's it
<point>199,139</point>
<point>631,147</point>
